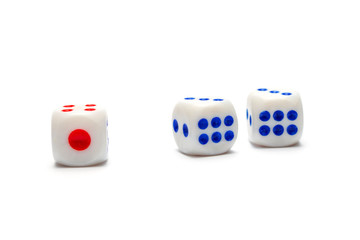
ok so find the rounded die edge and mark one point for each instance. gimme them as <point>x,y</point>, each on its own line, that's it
<point>67,163</point>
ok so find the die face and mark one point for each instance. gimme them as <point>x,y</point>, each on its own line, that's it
<point>204,126</point>
<point>79,135</point>
<point>274,117</point>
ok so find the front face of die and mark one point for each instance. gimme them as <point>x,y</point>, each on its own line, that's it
<point>79,135</point>
<point>274,117</point>
<point>204,126</point>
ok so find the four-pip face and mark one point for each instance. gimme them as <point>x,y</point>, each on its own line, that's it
<point>204,126</point>
<point>79,135</point>
<point>274,117</point>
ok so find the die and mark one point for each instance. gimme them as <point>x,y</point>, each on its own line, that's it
<point>204,126</point>
<point>274,117</point>
<point>79,135</point>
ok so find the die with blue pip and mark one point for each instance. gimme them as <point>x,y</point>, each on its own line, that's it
<point>204,126</point>
<point>274,117</point>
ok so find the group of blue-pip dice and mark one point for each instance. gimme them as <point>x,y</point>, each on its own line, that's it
<point>209,126</point>
<point>201,126</point>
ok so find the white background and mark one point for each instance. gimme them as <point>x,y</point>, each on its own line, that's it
<point>138,58</point>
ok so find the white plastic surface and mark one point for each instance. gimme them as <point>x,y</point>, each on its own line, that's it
<point>280,100</point>
<point>93,122</point>
<point>189,112</point>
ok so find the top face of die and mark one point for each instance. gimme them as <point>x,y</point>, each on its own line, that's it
<point>78,109</point>
<point>274,96</point>
<point>203,101</point>
<point>191,104</point>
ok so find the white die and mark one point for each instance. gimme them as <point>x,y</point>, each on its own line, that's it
<point>274,118</point>
<point>204,126</point>
<point>79,135</point>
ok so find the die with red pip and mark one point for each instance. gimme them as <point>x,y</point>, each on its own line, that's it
<point>79,135</point>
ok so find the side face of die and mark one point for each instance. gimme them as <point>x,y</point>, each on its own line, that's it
<point>204,126</point>
<point>274,117</point>
<point>79,135</point>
